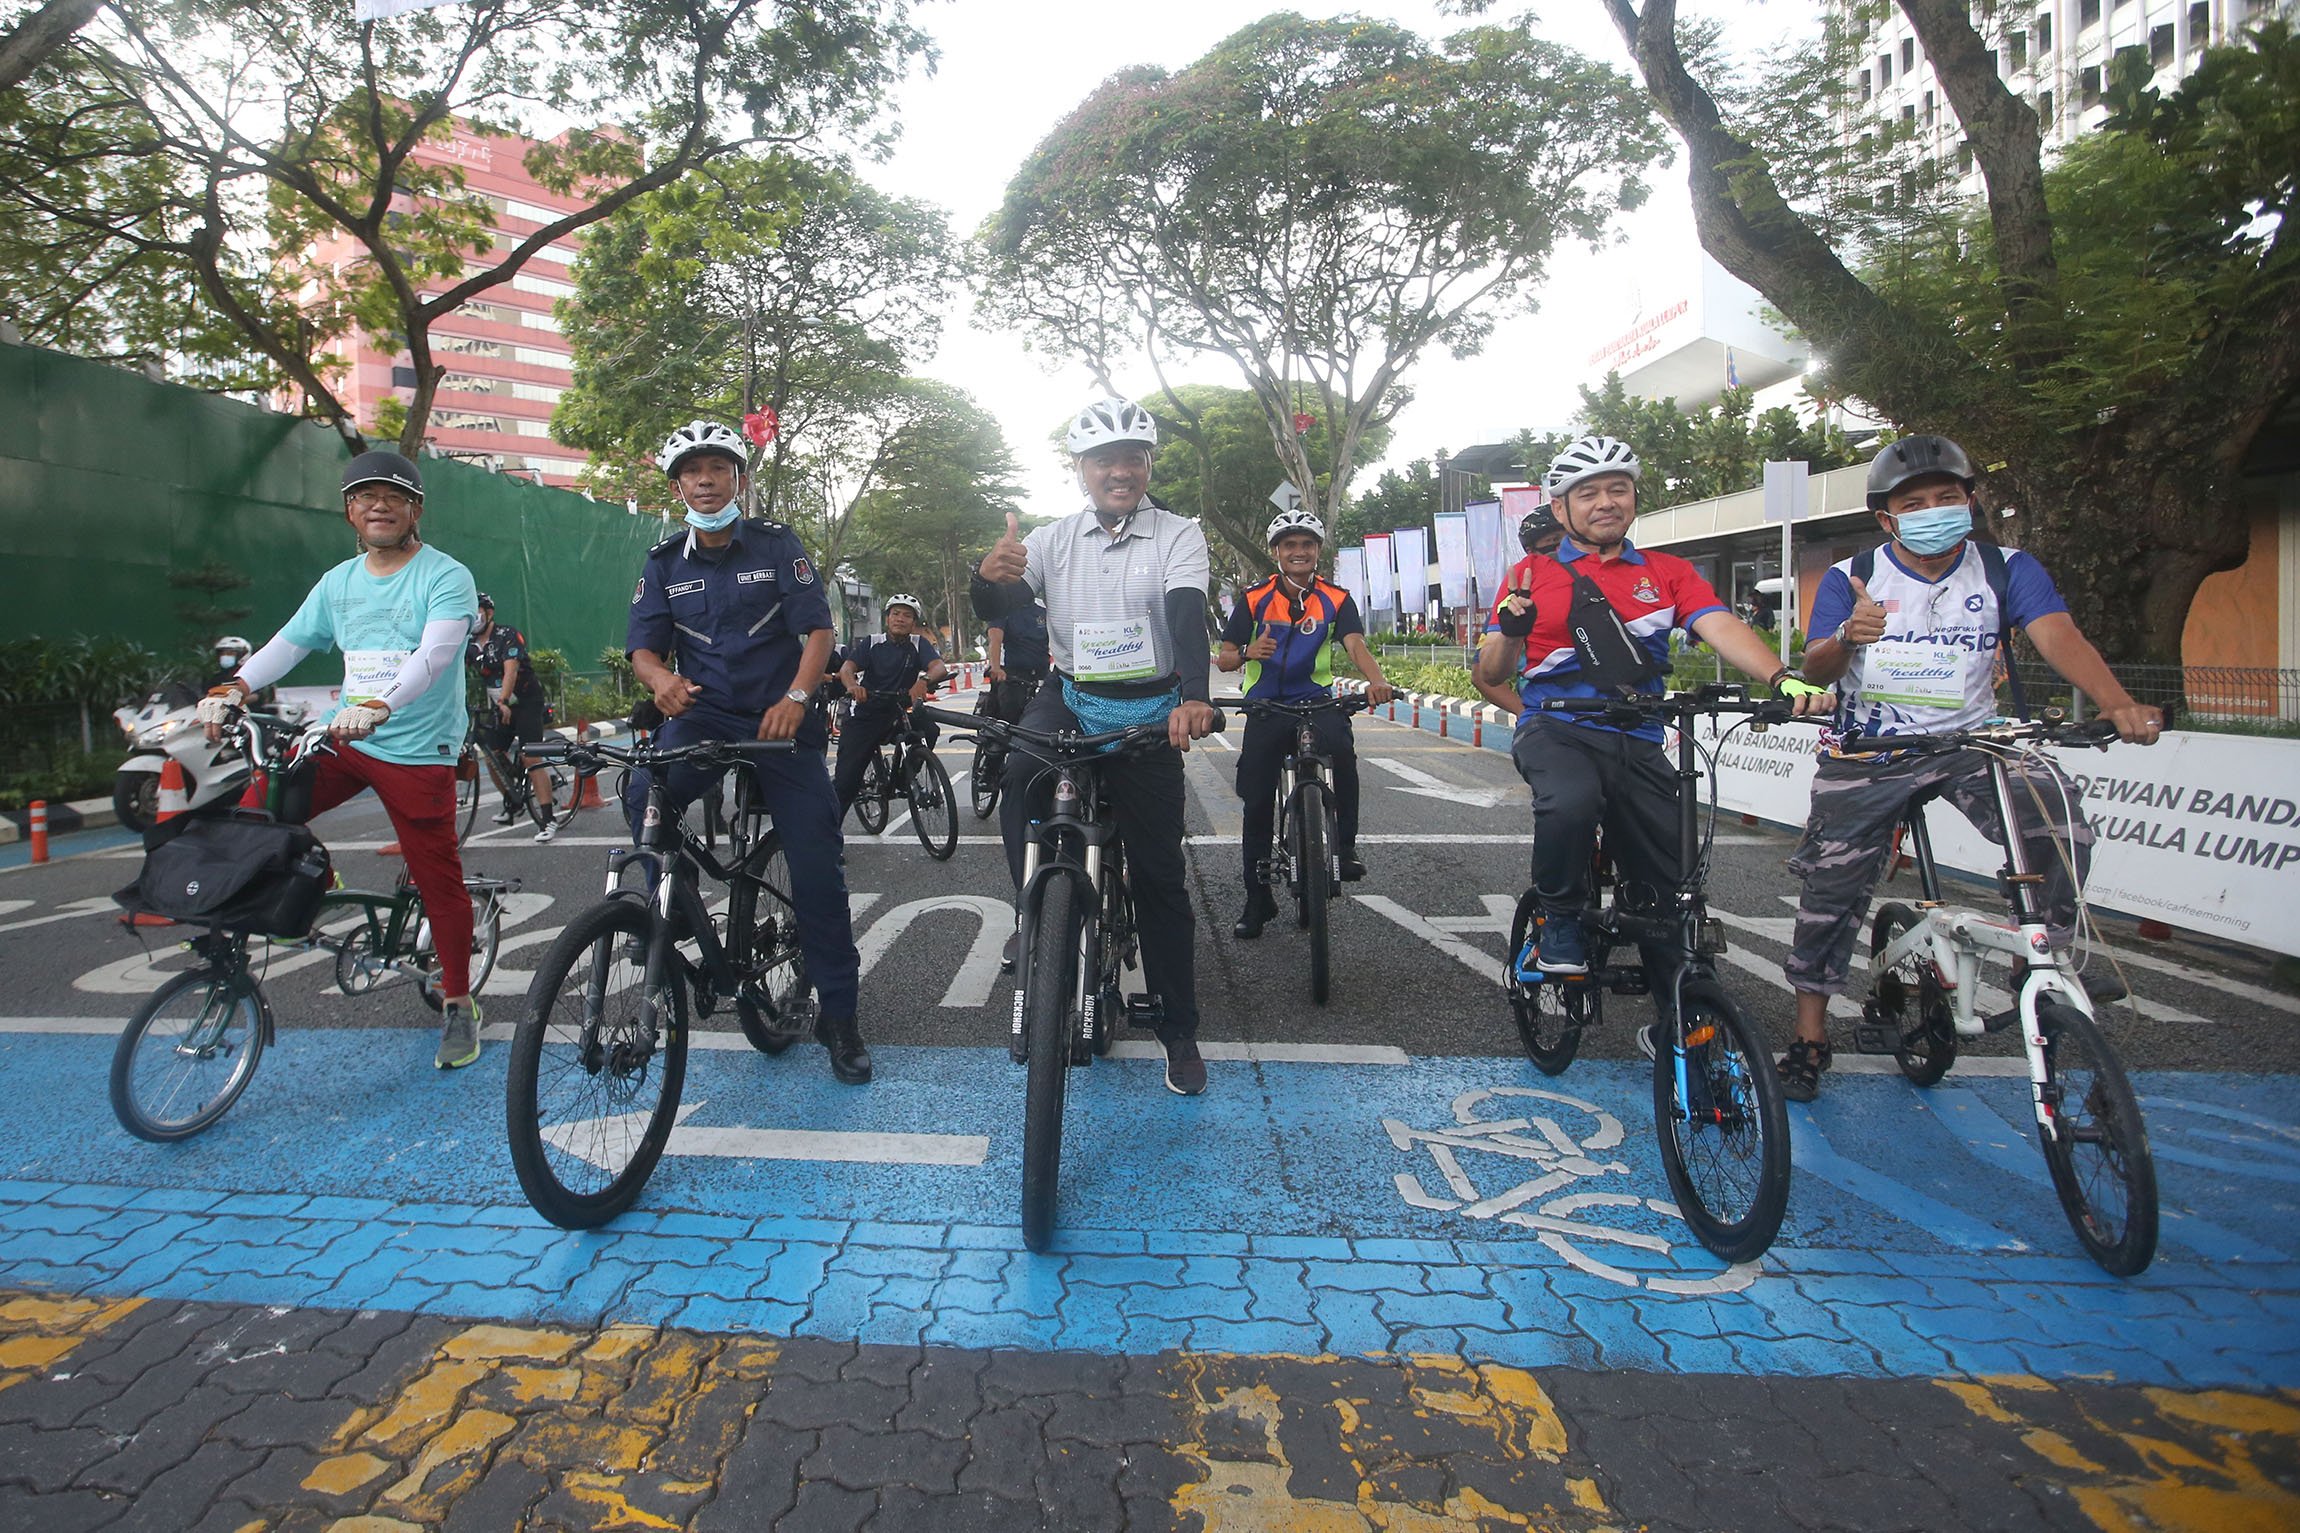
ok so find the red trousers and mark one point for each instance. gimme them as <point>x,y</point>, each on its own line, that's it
<point>421,803</point>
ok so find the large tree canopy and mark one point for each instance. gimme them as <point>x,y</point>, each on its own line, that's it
<point>2110,334</point>
<point>209,134</point>
<point>1688,455</point>
<point>760,281</point>
<point>1317,203</point>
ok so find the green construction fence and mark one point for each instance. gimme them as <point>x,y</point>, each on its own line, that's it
<point>111,482</point>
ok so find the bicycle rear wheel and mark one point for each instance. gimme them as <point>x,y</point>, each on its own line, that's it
<point>933,806</point>
<point>1725,1131</point>
<point>470,783</point>
<point>1050,987</point>
<point>870,799</point>
<point>593,1086</point>
<point>775,1003</point>
<point>1550,1014</point>
<point>2098,1153</point>
<point>486,942</point>
<point>188,1053</point>
<point>1908,999</point>
<point>983,780</point>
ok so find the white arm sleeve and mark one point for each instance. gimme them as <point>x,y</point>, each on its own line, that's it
<point>436,656</point>
<point>270,663</point>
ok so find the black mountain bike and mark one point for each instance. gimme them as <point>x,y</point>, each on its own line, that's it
<point>905,766</point>
<point>1305,851</point>
<point>1717,1104</point>
<point>473,766</point>
<point>1078,939</point>
<point>601,1054</point>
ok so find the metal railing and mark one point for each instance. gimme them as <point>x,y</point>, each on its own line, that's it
<point>2208,693</point>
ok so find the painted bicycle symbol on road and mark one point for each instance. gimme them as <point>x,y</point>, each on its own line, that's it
<point>1560,1161</point>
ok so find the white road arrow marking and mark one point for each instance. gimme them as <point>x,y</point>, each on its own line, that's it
<point>88,907</point>
<point>971,986</point>
<point>1421,783</point>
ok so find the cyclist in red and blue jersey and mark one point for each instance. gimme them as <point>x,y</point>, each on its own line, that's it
<point>1591,620</point>
<point>1283,633</point>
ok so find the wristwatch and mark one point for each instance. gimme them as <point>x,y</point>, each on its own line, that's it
<point>794,695</point>
<point>1839,635</point>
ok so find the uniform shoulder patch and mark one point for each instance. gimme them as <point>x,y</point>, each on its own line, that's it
<point>804,571</point>
<point>639,591</point>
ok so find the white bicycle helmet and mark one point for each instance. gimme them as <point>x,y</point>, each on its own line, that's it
<point>1110,420</point>
<point>232,644</point>
<point>701,436</point>
<point>904,599</point>
<point>1586,459</point>
<point>1297,520</point>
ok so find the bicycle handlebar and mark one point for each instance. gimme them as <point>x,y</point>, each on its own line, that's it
<point>1064,742</point>
<point>589,753</point>
<point>1354,703</point>
<point>2098,734</point>
<point>1715,697</point>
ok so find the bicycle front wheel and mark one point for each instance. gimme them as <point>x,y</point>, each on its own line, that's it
<point>1724,1124</point>
<point>933,807</point>
<point>870,799</point>
<point>188,1053</point>
<point>2098,1148</point>
<point>1313,878</point>
<point>775,1002</point>
<point>470,783</point>
<point>593,1085</point>
<point>983,780</point>
<point>1049,987</point>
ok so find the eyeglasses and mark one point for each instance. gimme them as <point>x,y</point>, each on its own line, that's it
<point>383,500</point>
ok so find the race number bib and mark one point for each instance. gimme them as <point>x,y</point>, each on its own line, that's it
<point>367,673</point>
<point>1116,651</point>
<point>1914,675</point>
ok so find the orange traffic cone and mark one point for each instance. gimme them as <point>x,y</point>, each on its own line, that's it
<point>175,797</point>
<point>388,849</point>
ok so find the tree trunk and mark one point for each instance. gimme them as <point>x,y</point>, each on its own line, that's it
<point>39,35</point>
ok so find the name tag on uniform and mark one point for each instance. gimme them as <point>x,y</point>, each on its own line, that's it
<point>1114,651</point>
<point>753,577</point>
<point>683,588</point>
<point>1914,675</point>
<point>368,673</point>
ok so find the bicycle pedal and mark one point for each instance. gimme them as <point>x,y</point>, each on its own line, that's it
<point>1145,1013</point>
<point>1628,982</point>
<point>1998,1021</point>
<point>1876,1038</point>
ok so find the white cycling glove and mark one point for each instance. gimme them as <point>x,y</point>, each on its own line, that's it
<point>356,722</point>
<point>218,708</point>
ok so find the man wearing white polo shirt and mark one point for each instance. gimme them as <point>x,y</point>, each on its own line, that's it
<point>1124,586</point>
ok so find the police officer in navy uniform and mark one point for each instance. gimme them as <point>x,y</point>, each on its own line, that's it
<point>739,609</point>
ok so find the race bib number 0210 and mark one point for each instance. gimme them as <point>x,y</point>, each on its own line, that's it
<point>1113,651</point>
<point>1918,675</point>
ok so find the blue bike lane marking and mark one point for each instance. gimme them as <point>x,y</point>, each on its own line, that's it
<point>1458,1206</point>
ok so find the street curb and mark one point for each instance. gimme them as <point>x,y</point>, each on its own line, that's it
<point>86,814</point>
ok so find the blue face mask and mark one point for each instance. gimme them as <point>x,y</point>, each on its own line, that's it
<point>1934,530</point>
<point>718,520</point>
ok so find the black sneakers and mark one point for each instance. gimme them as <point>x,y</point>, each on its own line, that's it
<point>1185,1067</point>
<point>1260,908</point>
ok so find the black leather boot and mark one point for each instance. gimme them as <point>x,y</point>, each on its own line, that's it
<point>850,1061</point>
<point>1260,907</point>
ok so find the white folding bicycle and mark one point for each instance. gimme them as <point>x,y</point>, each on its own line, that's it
<point>1925,982</point>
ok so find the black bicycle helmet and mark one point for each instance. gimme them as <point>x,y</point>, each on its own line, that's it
<point>382,467</point>
<point>1538,524</point>
<point>1915,457</point>
<point>486,600</point>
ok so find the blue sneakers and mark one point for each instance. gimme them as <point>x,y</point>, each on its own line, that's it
<point>1562,950</point>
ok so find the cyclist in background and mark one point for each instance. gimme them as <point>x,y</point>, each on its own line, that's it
<point>498,652</point>
<point>884,673</point>
<point>1015,660</point>
<point>1882,622</point>
<point>1283,633</point>
<point>399,611</point>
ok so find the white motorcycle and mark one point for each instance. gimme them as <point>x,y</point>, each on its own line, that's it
<point>163,727</point>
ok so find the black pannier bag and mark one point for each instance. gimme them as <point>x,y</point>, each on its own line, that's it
<point>241,872</point>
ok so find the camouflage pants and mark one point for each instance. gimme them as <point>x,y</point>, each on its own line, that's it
<point>1856,804</point>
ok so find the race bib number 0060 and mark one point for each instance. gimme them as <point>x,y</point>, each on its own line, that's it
<point>1114,651</point>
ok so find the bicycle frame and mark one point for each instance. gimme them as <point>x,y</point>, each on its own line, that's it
<point>1074,813</point>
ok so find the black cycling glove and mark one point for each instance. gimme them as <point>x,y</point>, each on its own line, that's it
<point>1513,625</point>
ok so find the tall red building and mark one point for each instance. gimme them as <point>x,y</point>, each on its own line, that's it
<point>506,363</point>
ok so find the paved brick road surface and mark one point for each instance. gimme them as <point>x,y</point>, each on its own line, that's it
<point>149,1414</point>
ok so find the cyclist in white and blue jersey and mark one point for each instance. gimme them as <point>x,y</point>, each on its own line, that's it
<point>1912,634</point>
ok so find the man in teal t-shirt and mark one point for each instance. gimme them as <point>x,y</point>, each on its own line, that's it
<point>399,612</point>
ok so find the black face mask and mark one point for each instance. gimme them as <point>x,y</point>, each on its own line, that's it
<point>1610,656</point>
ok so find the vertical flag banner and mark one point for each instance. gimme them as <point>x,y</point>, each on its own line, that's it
<point>1411,548</point>
<point>1350,575</point>
<point>1453,558</point>
<point>1519,503</point>
<point>1381,583</point>
<point>1492,548</point>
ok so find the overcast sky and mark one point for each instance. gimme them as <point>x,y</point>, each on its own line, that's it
<point>1010,69</point>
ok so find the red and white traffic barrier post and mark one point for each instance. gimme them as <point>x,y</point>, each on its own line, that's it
<point>39,830</point>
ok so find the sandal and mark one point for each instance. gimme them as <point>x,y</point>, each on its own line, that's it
<point>1800,1069</point>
